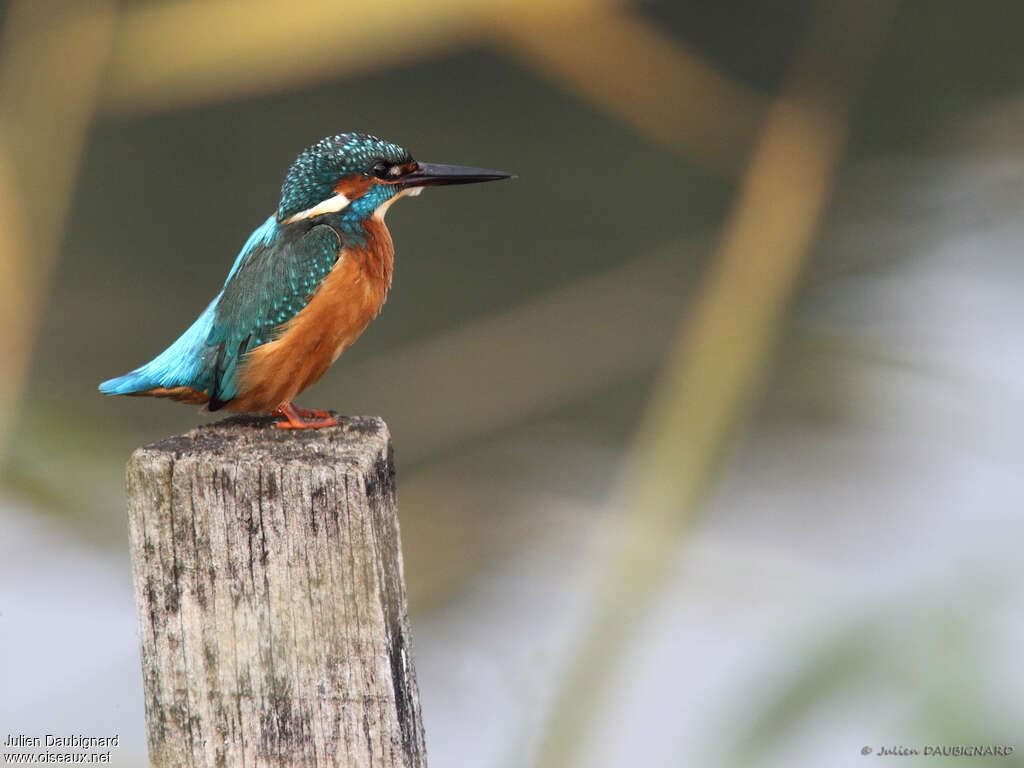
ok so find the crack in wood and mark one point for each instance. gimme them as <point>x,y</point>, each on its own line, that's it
<point>272,612</point>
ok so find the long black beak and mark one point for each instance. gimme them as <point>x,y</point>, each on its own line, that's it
<point>432,175</point>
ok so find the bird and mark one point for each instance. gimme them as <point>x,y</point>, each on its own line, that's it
<point>305,285</point>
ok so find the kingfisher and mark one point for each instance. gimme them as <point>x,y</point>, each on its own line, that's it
<point>305,285</point>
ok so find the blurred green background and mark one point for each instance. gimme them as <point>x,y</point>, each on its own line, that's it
<point>707,427</point>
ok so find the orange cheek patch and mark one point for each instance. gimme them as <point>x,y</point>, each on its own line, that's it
<point>352,187</point>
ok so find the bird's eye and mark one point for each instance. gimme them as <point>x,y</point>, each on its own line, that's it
<point>380,170</point>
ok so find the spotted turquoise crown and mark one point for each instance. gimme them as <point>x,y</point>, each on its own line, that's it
<point>313,175</point>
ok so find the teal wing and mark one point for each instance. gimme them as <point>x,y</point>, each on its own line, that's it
<point>266,290</point>
<point>272,279</point>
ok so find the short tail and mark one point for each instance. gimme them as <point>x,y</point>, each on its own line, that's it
<point>138,383</point>
<point>179,371</point>
<point>133,383</point>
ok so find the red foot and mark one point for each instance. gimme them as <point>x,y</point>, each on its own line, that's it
<point>301,418</point>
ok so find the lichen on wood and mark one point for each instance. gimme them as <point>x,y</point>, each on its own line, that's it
<point>271,599</point>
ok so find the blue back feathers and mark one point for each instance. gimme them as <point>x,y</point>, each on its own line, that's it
<point>181,363</point>
<point>175,366</point>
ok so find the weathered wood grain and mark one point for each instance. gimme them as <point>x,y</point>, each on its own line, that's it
<point>271,600</point>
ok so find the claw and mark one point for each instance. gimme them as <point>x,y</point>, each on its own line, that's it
<point>301,418</point>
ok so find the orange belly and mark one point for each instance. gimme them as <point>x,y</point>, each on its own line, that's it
<point>347,300</point>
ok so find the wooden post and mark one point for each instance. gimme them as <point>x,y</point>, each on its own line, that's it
<point>270,598</point>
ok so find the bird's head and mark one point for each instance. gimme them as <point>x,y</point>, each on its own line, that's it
<point>361,175</point>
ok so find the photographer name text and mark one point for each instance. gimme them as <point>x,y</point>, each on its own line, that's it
<point>76,741</point>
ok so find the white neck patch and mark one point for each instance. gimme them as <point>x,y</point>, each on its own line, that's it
<point>330,205</point>
<point>383,207</point>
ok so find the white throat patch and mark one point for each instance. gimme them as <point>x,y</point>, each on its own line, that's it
<point>330,205</point>
<point>383,207</point>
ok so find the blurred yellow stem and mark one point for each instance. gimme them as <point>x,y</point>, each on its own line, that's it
<point>639,74</point>
<point>720,351</point>
<point>181,52</point>
<point>51,58</point>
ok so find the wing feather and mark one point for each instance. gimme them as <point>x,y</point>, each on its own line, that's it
<point>266,290</point>
<point>271,280</point>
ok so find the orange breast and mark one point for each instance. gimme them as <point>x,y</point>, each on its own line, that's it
<point>347,300</point>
